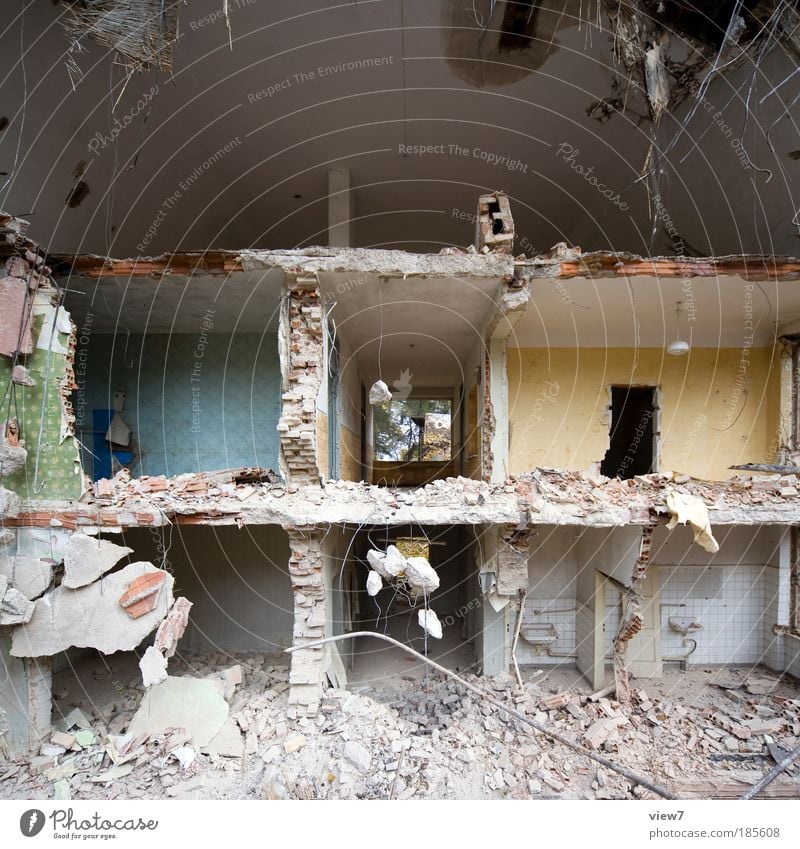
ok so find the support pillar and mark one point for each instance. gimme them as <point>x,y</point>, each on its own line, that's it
<point>302,364</point>
<point>307,666</point>
<point>25,701</point>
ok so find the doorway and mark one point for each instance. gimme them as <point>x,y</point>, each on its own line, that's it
<point>631,448</point>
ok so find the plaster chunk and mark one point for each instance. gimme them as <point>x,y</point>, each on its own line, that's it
<point>29,575</point>
<point>374,583</point>
<point>421,576</point>
<point>15,608</point>
<point>429,622</point>
<point>154,667</point>
<point>194,704</point>
<point>379,393</point>
<point>91,617</point>
<point>689,508</point>
<point>86,559</point>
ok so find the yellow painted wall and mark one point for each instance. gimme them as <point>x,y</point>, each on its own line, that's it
<point>349,454</point>
<point>558,401</point>
<point>322,444</point>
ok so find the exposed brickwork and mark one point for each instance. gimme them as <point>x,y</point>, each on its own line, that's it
<point>305,569</point>
<point>512,560</point>
<point>488,421</point>
<point>298,422</point>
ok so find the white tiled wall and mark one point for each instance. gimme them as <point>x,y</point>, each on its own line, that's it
<point>728,601</point>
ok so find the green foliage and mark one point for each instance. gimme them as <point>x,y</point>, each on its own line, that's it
<point>396,435</point>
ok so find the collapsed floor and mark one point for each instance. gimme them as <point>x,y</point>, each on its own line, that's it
<point>702,733</point>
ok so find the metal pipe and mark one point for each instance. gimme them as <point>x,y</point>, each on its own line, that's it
<point>779,767</point>
<point>553,735</point>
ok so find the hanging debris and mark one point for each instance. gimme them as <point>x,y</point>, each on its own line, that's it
<point>374,583</point>
<point>141,33</point>
<point>379,393</point>
<point>689,508</point>
<point>429,622</point>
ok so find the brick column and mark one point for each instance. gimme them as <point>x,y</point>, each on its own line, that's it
<point>305,569</point>
<point>302,340</point>
<point>512,560</point>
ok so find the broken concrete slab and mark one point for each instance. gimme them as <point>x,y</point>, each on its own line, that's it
<point>194,704</point>
<point>86,559</point>
<point>153,665</point>
<point>15,608</point>
<point>227,742</point>
<point>142,594</point>
<point>29,575</point>
<point>91,617</point>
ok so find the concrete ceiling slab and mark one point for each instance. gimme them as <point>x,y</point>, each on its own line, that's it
<point>243,302</point>
<point>717,312</point>
<point>425,326</point>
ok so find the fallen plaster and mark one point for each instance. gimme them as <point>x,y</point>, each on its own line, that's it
<point>153,666</point>
<point>194,704</point>
<point>15,608</point>
<point>30,575</point>
<point>87,558</point>
<point>91,617</point>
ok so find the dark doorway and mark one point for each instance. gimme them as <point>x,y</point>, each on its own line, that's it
<point>631,450</point>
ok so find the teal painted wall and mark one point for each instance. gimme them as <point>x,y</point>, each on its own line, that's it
<point>195,403</point>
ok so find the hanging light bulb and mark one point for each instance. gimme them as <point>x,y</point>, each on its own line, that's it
<point>678,347</point>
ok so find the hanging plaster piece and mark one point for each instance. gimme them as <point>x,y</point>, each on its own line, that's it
<point>56,321</point>
<point>379,393</point>
<point>689,508</point>
<point>173,627</point>
<point>421,576</point>
<point>374,583</point>
<point>21,376</point>
<point>30,575</point>
<point>15,608</point>
<point>91,617</point>
<point>87,558</point>
<point>15,319</point>
<point>153,666</point>
<point>118,431</point>
<point>429,622</point>
<point>13,455</point>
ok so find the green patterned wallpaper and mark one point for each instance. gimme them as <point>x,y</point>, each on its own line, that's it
<point>59,469</point>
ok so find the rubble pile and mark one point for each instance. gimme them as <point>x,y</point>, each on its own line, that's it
<point>695,733</point>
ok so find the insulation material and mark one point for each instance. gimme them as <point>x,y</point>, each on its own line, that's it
<point>379,393</point>
<point>689,508</point>
<point>140,32</point>
<point>429,622</point>
<point>15,324</point>
<point>374,583</point>
<point>421,576</point>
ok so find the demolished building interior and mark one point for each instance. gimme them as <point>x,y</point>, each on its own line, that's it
<point>531,518</point>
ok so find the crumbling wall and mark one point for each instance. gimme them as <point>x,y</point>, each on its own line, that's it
<point>303,353</point>
<point>306,571</point>
<point>39,396</point>
<point>25,701</point>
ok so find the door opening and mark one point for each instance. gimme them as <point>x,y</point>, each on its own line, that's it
<point>631,449</point>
